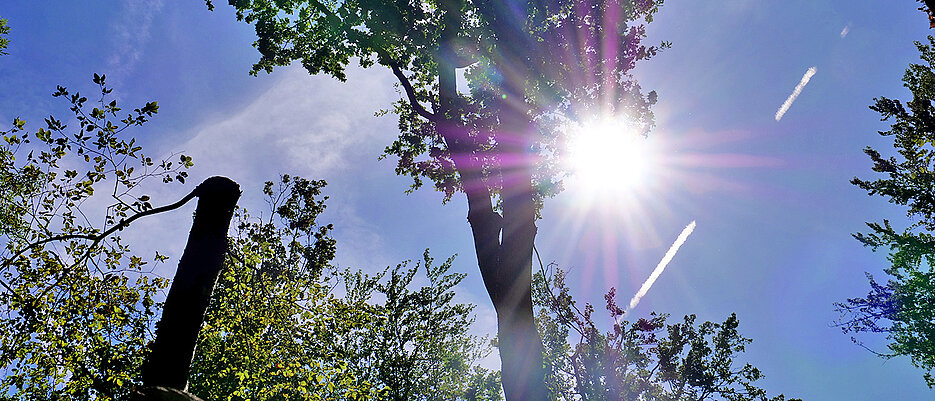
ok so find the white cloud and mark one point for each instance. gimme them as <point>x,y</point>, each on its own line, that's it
<point>795,92</point>
<point>683,236</point>
<point>130,33</point>
<point>311,126</point>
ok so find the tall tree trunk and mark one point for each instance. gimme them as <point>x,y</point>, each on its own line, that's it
<point>519,342</point>
<point>169,362</point>
<point>505,265</point>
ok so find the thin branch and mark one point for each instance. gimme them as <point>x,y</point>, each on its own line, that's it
<point>10,290</point>
<point>122,224</point>
<point>881,355</point>
<point>393,64</point>
<point>100,237</point>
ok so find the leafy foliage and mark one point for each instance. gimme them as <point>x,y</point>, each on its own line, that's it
<point>76,307</point>
<point>532,67</point>
<point>904,308</point>
<point>4,30</point>
<point>648,359</point>
<point>277,329</point>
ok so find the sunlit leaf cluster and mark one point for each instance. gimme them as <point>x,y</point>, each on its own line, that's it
<point>4,42</point>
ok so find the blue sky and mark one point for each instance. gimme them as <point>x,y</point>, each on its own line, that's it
<point>771,199</point>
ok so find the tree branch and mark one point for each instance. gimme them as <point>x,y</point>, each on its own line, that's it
<point>100,237</point>
<point>410,92</point>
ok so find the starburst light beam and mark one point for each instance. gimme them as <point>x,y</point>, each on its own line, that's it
<point>662,264</point>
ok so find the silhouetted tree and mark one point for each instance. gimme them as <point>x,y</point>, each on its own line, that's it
<point>171,352</point>
<point>904,307</point>
<point>532,67</point>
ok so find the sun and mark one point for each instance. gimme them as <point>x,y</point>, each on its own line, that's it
<point>609,157</point>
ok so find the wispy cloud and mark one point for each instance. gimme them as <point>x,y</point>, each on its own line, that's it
<point>311,127</point>
<point>662,264</point>
<point>845,31</point>
<point>130,33</point>
<point>795,92</point>
<point>303,124</point>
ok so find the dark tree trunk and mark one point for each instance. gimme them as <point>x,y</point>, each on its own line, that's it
<point>505,265</point>
<point>520,346</point>
<point>169,361</point>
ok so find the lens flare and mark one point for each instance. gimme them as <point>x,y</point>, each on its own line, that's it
<point>608,157</point>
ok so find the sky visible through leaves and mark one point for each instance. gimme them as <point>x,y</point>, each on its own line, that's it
<point>762,115</point>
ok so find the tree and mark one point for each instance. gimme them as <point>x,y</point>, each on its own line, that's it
<point>263,332</point>
<point>499,145</point>
<point>276,329</point>
<point>904,307</point>
<point>647,359</point>
<point>76,305</point>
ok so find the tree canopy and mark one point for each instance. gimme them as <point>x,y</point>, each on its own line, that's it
<point>78,306</point>
<point>904,306</point>
<point>581,54</point>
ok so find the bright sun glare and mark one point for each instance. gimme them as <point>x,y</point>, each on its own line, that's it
<point>609,157</point>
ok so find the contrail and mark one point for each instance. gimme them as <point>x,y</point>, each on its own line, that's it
<point>662,264</point>
<point>795,92</point>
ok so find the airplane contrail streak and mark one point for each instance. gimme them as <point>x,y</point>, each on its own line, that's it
<point>662,264</point>
<point>795,92</point>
